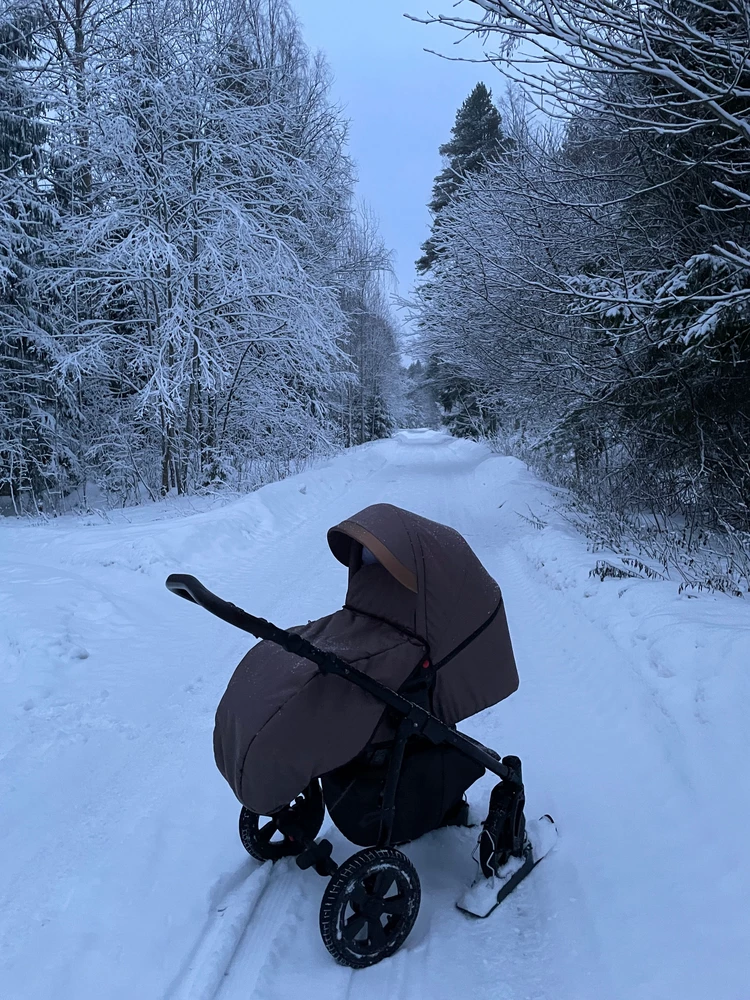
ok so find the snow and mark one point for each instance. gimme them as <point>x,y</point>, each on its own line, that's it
<point>481,896</point>
<point>121,872</point>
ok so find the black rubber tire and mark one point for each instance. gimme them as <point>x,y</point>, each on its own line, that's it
<point>366,882</point>
<point>307,811</point>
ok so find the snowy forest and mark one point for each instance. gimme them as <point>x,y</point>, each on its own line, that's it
<point>189,295</point>
<point>192,298</point>
<point>586,285</point>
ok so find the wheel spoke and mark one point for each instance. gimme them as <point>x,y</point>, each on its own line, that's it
<point>353,926</point>
<point>376,933</point>
<point>394,905</point>
<point>359,896</point>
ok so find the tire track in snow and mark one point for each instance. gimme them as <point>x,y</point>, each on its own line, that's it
<point>389,979</point>
<point>530,948</point>
<point>242,937</point>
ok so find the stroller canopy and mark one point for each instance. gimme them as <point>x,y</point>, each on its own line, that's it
<point>426,599</point>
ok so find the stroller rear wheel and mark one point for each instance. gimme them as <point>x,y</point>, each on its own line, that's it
<point>261,837</point>
<point>369,907</point>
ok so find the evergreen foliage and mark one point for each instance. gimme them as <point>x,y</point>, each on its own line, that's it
<point>32,454</point>
<point>371,404</point>
<point>591,294</point>
<point>477,144</point>
<point>477,140</point>
<point>421,406</point>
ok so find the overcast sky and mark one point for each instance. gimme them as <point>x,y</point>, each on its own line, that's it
<point>401,102</point>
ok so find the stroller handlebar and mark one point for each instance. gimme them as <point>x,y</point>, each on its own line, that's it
<point>188,587</point>
<point>420,720</point>
<point>193,590</point>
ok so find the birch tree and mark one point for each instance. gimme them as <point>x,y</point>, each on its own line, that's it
<point>199,282</point>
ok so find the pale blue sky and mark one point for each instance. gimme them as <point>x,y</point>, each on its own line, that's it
<point>401,102</point>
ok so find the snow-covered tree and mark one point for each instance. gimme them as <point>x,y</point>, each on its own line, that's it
<point>477,145</point>
<point>596,289</point>
<point>32,448</point>
<point>372,404</point>
<point>477,139</point>
<point>421,409</point>
<point>204,197</point>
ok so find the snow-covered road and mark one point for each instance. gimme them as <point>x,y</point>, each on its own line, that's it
<point>121,874</point>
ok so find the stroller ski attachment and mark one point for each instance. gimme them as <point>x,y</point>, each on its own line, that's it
<point>372,900</point>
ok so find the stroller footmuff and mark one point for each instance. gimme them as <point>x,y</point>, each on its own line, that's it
<point>357,712</point>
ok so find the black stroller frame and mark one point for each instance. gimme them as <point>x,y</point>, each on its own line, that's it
<point>362,919</point>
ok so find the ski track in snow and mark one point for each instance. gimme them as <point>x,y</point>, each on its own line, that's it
<point>206,966</point>
<point>121,874</point>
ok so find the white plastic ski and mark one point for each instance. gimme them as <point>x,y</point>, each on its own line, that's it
<point>486,894</point>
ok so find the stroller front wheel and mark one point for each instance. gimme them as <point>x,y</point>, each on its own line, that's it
<point>369,907</point>
<point>261,837</point>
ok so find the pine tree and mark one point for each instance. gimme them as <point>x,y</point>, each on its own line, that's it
<point>463,412</point>
<point>371,402</point>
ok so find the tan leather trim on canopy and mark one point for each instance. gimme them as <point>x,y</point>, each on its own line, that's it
<point>384,556</point>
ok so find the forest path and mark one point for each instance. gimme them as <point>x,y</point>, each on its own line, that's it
<point>122,875</point>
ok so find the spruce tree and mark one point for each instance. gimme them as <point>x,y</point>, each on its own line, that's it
<point>21,137</point>
<point>476,139</point>
<point>29,458</point>
<point>381,421</point>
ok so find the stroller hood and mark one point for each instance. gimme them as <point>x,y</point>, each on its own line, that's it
<point>282,723</point>
<point>453,597</point>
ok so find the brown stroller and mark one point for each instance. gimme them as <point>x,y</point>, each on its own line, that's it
<point>356,712</point>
